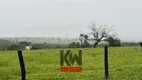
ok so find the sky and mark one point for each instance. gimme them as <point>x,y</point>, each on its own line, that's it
<point>68,18</point>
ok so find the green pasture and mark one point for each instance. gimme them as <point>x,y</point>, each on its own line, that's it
<point>125,63</point>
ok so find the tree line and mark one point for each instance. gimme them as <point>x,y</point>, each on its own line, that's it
<point>9,45</point>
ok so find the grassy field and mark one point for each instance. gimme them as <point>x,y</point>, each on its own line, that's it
<point>125,63</point>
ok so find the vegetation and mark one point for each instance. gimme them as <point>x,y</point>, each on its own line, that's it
<point>74,45</point>
<point>99,32</point>
<point>124,64</point>
<point>140,44</point>
<point>14,45</point>
<point>113,42</point>
<point>11,45</point>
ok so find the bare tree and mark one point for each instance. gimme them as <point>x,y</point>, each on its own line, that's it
<point>83,39</point>
<point>99,32</point>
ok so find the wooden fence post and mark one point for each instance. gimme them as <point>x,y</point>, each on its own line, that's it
<point>21,61</point>
<point>106,62</point>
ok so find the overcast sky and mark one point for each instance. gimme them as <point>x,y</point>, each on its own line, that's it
<point>67,18</point>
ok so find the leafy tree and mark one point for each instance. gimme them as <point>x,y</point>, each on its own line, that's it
<point>25,43</point>
<point>39,46</point>
<point>140,43</point>
<point>114,41</point>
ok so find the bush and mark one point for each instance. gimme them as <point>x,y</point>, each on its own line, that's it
<point>114,41</point>
<point>13,47</point>
<point>140,43</point>
<point>74,45</point>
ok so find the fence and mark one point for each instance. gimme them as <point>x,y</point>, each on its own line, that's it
<point>23,71</point>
